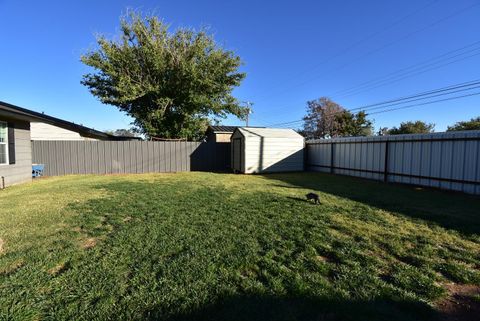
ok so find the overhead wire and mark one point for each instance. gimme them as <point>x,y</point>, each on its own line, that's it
<point>404,74</point>
<point>436,22</point>
<point>423,104</point>
<point>364,39</point>
<point>413,70</point>
<point>444,91</point>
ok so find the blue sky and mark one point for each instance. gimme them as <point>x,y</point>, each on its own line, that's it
<point>293,51</point>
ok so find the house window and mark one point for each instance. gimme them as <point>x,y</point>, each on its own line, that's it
<point>3,143</point>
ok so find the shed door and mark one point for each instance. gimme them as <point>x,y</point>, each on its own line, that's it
<point>237,154</point>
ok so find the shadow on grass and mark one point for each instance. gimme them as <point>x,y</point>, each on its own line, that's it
<point>269,308</point>
<point>299,199</point>
<point>304,200</point>
<point>173,307</point>
<point>450,210</point>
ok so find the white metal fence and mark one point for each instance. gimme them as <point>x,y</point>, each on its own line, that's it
<point>442,160</point>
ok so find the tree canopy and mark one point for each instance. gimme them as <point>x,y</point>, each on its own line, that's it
<point>320,121</point>
<point>472,124</point>
<point>325,118</point>
<point>350,124</point>
<point>122,132</point>
<point>411,127</point>
<point>170,83</point>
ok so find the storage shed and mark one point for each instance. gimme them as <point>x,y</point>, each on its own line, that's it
<point>263,150</point>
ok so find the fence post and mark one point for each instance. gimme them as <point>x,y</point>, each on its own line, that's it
<point>332,159</point>
<point>305,158</point>
<point>385,166</point>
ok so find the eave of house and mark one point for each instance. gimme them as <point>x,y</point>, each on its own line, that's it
<point>14,112</point>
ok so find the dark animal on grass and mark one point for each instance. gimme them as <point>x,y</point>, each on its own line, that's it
<point>314,197</point>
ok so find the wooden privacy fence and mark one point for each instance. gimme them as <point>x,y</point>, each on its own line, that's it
<point>442,160</point>
<point>115,157</point>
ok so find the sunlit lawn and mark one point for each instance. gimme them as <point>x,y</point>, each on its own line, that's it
<point>192,246</point>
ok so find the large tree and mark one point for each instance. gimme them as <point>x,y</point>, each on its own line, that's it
<point>325,118</point>
<point>412,127</point>
<point>472,124</point>
<point>170,83</point>
<point>350,124</point>
<point>320,119</point>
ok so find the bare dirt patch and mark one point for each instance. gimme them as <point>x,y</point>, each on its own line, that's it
<point>2,244</point>
<point>322,258</point>
<point>59,268</point>
<point>89,243</point>
<point>461,303</point>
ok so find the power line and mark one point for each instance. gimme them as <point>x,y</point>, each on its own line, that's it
<point>436,22</point>
<point>400,108</point>
<point>402,78</point>
<point>466,86</point>
<point>409,67</point>
<point>410,71</point>
<point>427,103</point>
<point>405,99</point>
<point>362,40</point>
<point>421,67</point>
<point>290,124</point>
<point>426,93</point>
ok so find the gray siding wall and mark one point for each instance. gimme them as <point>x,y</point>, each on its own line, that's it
<point>21,171</point>
<point>119,157</point>
<point>443,160</point>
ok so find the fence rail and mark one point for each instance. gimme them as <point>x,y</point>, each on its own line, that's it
<point>114,157</point>
<point>443,160</point>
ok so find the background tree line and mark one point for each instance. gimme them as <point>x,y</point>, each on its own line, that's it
<point>327,119</point>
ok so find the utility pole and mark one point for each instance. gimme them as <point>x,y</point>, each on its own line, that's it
<point>249,111</point>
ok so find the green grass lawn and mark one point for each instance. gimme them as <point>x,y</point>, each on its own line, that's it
<point>202,246</point>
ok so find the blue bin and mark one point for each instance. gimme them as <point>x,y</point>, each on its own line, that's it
<point>37,170</point>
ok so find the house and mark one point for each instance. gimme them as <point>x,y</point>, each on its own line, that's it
<point>220,134</point>
<point>45,127</point>
<point>51,128</point>
<point>263,150</point>
<point>16,124</point>
<point>63,131</point>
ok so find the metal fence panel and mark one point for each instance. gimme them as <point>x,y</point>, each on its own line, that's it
<point>471,164</point>
<point>442,160</point>
<point>116,157</point>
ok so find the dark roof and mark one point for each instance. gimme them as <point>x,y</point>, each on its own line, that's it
<point>41,117</point>
<point>225,129</point>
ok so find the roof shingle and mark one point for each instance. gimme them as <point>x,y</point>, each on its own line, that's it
<point>227,129</point>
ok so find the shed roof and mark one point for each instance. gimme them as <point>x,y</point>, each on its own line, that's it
<point>269,132</point>
<point>222,129</point>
